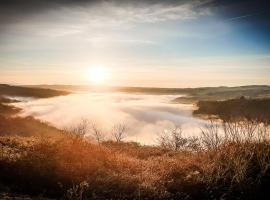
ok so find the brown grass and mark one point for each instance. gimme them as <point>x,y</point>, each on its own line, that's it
<point>75,168</point>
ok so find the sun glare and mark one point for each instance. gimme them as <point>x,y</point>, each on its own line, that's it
<point>97,74</point>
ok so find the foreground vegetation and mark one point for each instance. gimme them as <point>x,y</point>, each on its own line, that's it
<point>234,165</point>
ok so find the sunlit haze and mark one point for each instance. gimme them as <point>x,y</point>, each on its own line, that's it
<point>97,74</point>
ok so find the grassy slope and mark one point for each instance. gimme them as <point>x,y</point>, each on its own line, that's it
<point>21,126</point>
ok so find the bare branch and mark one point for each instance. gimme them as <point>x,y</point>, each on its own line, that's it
<point>97,133</point>
<point>119,132</point>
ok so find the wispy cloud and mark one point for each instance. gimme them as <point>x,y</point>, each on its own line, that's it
<point>105,22</point>
<point>109,15</point>
<point>242,16</point>
<point>150,13</point>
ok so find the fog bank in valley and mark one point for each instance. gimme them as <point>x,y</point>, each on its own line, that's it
<point>145,115</point>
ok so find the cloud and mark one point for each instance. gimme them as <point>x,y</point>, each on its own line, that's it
<point>152,13</point>
<point>15,10</point>
<point>96,14</point>
<point>145,115</point>
<point>57,25</point>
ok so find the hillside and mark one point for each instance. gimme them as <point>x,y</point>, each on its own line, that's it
<point>253,109</point>
<point>9,90</point>
<point>12,125</point>
<point>223,93</point>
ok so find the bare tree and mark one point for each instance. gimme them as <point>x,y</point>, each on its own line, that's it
<point>97,133</point>
<point>177,141</point>
<point>119,132</point>
<point>79,130</point>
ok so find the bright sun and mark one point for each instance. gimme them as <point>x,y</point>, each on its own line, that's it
<point>97,74</point>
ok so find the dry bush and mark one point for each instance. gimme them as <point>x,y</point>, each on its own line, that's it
<point>136,150</point>
<point>85,129</point>
<point>73,167</point>
<point>62,165</point>
<point>240,158</point>
<point>240,130</point>
<point>173,139</point>
<point>79,130</point>
<point>97,133</point>
<point>216,134</point>
<point>50,164</point>
<point>76,192</point>
<point>11,148</point>
<point>235,156</point>
<point>211,138</point>
<point>119,132</point>
<point>242,169</point>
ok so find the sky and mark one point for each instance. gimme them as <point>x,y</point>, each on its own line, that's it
<point>137,43</point>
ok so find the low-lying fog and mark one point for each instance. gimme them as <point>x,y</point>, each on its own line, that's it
<point>145,115</point>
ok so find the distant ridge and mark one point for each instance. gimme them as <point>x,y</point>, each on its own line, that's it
<point>144,89</point>
<point>11,90</point>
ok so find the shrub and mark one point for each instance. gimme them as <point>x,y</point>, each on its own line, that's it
<point>226,166</point>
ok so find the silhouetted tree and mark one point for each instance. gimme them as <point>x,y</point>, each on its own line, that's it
<point>119,132</point>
